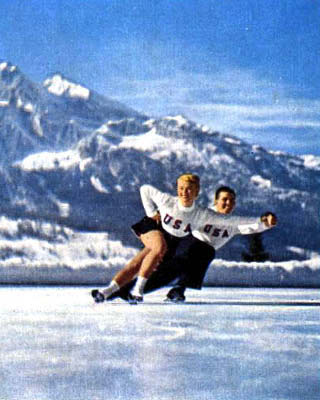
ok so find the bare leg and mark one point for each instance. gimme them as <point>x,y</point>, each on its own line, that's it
<point>157,246</point>
<point>131,269</point>
<point>122,277</point>
<point>155,242</point>
<point>146,261</point>
<point>143,264</point>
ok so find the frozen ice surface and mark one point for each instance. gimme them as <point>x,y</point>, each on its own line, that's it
<point>223,344</point>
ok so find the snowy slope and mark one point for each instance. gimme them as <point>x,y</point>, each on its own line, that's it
<point>107,168</point>
<point>40,252</point>
<point>75,159</point>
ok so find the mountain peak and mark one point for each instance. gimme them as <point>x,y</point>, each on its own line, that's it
<point>180,120</point>
<point>7,66</point>
<point>10,75</point>
<point>59,86</point>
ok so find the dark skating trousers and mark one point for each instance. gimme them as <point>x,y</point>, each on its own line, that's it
<point>189,265</point>
<point>186,262</point>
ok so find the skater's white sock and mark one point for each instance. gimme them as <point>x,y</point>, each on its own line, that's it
<point>113,287</point>
<point>139,286</point>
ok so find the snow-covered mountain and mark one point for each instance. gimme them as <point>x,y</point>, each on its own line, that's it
<point>53,116</point>
<point>74,158</point>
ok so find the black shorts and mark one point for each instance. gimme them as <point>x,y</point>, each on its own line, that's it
<point>146,224</point>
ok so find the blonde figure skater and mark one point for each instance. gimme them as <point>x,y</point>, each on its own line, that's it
<point>169,220</point>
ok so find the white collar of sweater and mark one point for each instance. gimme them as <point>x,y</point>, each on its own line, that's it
<point>185,209</point>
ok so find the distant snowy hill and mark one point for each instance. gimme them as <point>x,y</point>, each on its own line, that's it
<point>76,159</point>
<point>44,253</point>
<point>53,116</point>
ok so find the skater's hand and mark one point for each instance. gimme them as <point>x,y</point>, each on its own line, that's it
<point>269,219</point>
<point>157,218</point>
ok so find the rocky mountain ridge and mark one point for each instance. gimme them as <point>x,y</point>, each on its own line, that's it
<point>75,158</point>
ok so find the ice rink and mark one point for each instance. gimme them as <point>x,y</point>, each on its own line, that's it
<point>223,344</point>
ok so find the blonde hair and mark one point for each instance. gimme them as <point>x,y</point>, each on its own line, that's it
<point>190,178</point>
